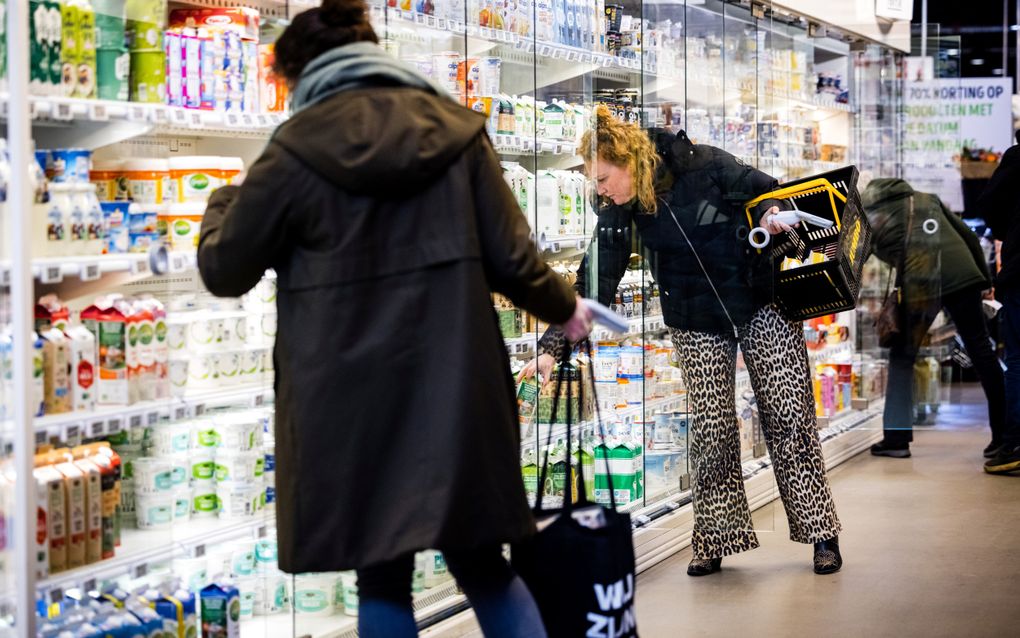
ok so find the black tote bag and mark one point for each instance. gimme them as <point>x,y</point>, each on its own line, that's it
<point>580,566</point>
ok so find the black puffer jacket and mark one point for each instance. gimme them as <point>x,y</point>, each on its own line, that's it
<point>705,188</point>
<point>1000,206</point>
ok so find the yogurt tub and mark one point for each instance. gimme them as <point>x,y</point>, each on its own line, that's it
<point>193,572</point>
<point>180,470</point>
<point>238,431</point>
<point>266,553</point>
<point>349,582</point>
<point>178,376</point>
<point>237,500</point>
<point>246,590</point>
<point>183,224</point>
<point>108,176</point>
<point>204,500</point>
<point>239,467</point>
<point>234,332</point>
<point>171,438</point>
<point>205,330</point>
<point>147,179</point>
<point>195,177</point>
<point>227,368</point>
<point>242,558</point>
<point>203,466</point>
<point>272,594</point>
<point>250,361</point>
<point>313,594</point>
<point>202,371</point>
<point>230,168</point>
<point>152,475</point>
<point>177,331</point>
<point>154,511</point>
<point>182,504</point>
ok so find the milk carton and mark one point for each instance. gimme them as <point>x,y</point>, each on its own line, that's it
<point>109,326</point>
<point>56,372</point>
<point>38,383</point>
<point>43,522</point>
<point>93,510</point>
<point>548,203</point>
<point>76,507</point>
<point>221,611</point>
<point>83,367</point>
<point>53,515</point>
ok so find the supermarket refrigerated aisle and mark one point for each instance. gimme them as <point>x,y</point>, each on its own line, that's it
<point>931,544</point>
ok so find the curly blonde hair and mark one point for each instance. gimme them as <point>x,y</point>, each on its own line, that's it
<point>626,145</point>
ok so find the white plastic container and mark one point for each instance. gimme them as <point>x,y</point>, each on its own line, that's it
<point>202,466</point>
<point>271,594</point>
<point>184,223</point>
<point>177,331</point>
<point>171,438</point>
<point>349,581</point>
<point>182,503</point>
<point>246,590</point>
<point>230,168</point>
<point>237,501</point>
<point>152,475</point>
<point>205,331</point>
<point>242,559</point>
<point>226,368</point>
<point>56,239</point>
<point>178,376</point>
<point>154,511</point>
<point>204,500</point>
<point>180,470</point>
<point>148,179</point>
<point>202,370</point>
<point>313,594</point>
<point>239,431</point>
<point>237,467</point>
<point>193,572</point>
<point>195,177</point>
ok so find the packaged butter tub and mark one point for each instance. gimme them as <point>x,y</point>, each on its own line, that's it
<point>195,177</point>
<point>183,223</point>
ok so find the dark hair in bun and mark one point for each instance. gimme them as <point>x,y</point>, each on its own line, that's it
<point>313,32</point>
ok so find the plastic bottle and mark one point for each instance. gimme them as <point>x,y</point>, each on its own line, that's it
<point>56,223</point>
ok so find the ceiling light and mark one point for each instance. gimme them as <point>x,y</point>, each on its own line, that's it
<point>952,52</point>
<point>1014,27</point>
<point>977,61</point>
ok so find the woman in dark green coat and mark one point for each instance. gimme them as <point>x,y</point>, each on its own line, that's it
<point>944,268</point>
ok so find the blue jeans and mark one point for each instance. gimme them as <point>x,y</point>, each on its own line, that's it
<point>501,601</point>
<point>1010,328</point>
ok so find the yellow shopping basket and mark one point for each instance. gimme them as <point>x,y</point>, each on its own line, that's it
<point>832,283</point>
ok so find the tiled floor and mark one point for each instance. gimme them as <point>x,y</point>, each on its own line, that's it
<point>931,547</point>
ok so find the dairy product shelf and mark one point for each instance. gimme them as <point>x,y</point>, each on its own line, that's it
<point>106,420</point>
<point>54,270</point>
<point>142,549</point>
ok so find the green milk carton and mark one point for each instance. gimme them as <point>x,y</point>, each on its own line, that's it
<point>529,472</point>
<point>54,46</point>
<point>70,45</point>
<point>221,611</point>
<point>621,463</point>
<point>601,453</point>
<point>38,45</point>
<point>85,82</point>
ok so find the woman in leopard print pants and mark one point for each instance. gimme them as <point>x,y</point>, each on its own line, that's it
<point>680,205</point>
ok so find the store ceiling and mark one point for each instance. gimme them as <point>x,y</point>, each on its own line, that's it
<point>978,25</point>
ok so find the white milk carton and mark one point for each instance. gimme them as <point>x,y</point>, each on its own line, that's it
<point>83,367</point>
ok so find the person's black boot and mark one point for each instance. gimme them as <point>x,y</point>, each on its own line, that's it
<point>704,566</point>
<point>828,560</point>
<point>1006,460</point>
<point>992,449</point>
<point>893,450</point>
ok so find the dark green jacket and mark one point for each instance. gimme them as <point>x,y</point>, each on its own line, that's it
<point>938,263</point>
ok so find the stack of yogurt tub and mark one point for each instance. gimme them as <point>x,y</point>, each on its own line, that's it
<point>216,344</point>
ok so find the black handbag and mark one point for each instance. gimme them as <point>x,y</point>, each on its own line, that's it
<point>580,565</point>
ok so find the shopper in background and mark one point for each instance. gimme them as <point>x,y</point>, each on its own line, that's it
<point>1001,206</point>
<point>947,271</point>
<point>382,207</point>
<point>685,204</point>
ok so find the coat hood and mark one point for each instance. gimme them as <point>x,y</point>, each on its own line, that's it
<point>884,191</point>
<point>381,141</point>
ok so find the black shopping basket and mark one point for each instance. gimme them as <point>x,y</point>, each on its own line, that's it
<point>813,290</point>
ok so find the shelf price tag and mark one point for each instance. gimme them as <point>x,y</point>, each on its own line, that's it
<point>441,23</point>
<point>178,263</point>
<point>419,18</point>
<point>72,434</point>
<point>5,276</point>
<point>198,551</point>
<point>95,429</point>
<point>233,120</point>
<point>140,571</point>
<point>571,56</point>
<point>247,120</point>
<point>35,107</point>
<point>98,113</point>
<point>195,119</point>
<point>430,21</point>
<point>263,120</point>
<point>136,114</point>
<point>114,426</point>
<point>62,111</point>
<point>52,274</point>
<point>90,272</point>
<point>135,421</point>
<point>140,266</point>
<point>56,595</point>
<point>180,413</point>
<point>40,437</point>
<point>199,409</point>
<point>259,400</point>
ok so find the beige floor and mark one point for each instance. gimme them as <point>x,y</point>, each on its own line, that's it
<point>931,548</point>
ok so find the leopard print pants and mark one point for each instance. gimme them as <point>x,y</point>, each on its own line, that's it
<point>776,359</point>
